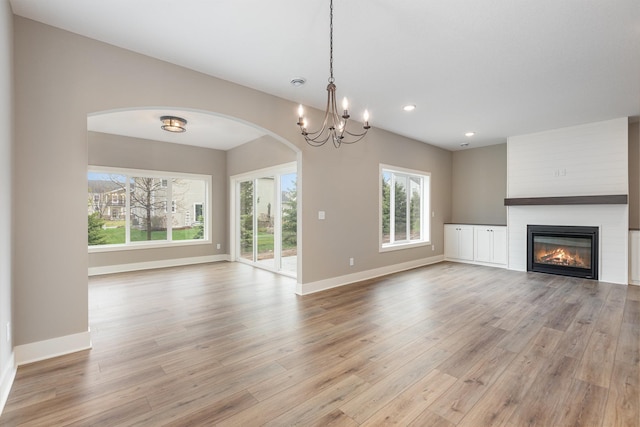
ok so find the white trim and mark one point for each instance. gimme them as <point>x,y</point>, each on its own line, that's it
<point>334,282</point>
<point>149,265</point>
<point>41,350</point>
<point>425,187</point>
<point>234,207</point>
<point>486,264</point>
<point>6,381</point>
<point>234,201</point>
<point>147,244</point>
<point>162,175</point>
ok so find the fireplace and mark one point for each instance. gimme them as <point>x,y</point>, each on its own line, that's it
<point>563,250</point>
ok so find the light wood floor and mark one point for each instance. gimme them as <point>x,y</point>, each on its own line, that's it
<point>445,345</point>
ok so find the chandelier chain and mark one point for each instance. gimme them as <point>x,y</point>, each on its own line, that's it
<point>331,79</point>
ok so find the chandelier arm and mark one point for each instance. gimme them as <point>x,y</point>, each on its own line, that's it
<point>357,135</point>
<point>346,141</point>
<point>315,143</point>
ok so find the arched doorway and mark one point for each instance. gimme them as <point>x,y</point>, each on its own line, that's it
<point>136,141</point>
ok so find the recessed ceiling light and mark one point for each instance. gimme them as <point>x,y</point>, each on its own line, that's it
<point>298,81</point>
<point>409,107</point>
<point>469,134</point>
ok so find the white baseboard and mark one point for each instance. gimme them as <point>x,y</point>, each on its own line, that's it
<point>334,282</point>
<point>486,264</point>
<point>41,350</point>
<point>6,381</point>
<point>136,266</point>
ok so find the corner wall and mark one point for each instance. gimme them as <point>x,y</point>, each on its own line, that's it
<point>479,182</point>
<point>7,367</point>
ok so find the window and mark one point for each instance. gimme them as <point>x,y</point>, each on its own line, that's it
<point>143,217</point>
<point>404,208</point>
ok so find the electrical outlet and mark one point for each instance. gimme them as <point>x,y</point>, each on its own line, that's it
<point>433,247</point>
<point>218,246</point>
<point>351,262</point>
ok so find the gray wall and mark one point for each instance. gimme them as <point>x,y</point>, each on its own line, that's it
<point>634,176</point>
<point>61,77</point>
<point>480,185</point>
<point>6,188</point>
<point>261,153</point>
<point>479,178</point>
<point>135,153</point>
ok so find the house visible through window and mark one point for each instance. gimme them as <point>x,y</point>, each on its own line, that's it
<point>197,211</point>
<point>135,208</point>
<point>404,207</point>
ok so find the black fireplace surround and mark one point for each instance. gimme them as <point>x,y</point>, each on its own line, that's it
<point>564,250</point>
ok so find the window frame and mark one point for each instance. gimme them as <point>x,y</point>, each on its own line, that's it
<point>136,245</point>
<point>425,214</point>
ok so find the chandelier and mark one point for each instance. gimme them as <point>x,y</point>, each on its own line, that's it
<point>334,126</point>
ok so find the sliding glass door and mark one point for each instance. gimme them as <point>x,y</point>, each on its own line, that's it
<point>266,220</point>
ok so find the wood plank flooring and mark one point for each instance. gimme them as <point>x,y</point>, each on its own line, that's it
<point>445,345</point>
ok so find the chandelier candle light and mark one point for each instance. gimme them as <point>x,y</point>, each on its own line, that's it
<point>334,126</point>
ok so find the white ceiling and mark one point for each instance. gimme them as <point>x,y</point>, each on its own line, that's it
<point>495,67</point>
<point>203,129</point>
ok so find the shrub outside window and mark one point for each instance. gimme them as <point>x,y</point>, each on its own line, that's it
<point>404,208</point>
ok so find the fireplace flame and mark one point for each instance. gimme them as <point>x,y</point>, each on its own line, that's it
<point>560,256</point>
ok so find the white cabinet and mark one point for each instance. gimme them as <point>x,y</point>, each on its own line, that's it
<point>480,244</point>
<point>490,244</point>
<point>458,242</point>
<point>634,257</point>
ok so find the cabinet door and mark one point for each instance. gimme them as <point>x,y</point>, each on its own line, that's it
<point>450,241</point>
<point>465,242</point>
<point>634,256</point>
<point>499,255</point>
<point>483,244</point>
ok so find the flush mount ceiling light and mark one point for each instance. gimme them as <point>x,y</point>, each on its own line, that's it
<point>469,134</point>
<point>409,107</point>
<point>173,124</point>
<point>334,126</point>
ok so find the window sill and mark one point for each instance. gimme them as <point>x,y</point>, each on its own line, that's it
<point>400,246</point>
<point>145,245</point>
